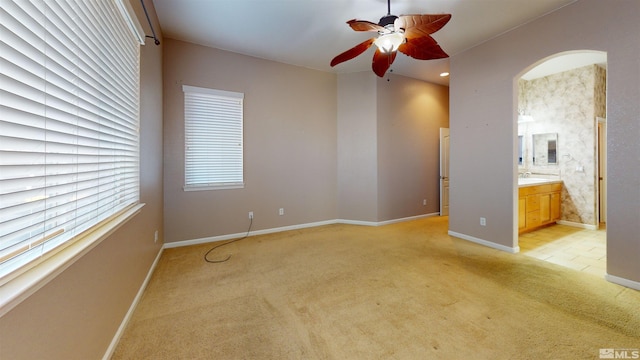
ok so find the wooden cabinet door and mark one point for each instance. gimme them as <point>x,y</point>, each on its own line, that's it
<point>522,213</point>
<point>545,208</point>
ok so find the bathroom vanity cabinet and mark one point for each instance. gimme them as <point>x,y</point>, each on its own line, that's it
<point>538,205</point>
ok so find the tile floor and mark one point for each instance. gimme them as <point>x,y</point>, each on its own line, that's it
<point>575,248</point>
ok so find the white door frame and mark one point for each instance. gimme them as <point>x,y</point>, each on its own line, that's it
<point>601,139</point>
<point>444,171</point>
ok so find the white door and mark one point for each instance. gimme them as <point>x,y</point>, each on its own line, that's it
<point>444,171</point>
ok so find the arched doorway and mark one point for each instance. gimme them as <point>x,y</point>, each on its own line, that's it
<point>561,113</point>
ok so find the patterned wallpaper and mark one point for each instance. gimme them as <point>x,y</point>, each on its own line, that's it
<point>567,104</point>
<point>600,91</point>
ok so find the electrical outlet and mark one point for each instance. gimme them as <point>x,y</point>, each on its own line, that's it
<point>155,237</point>
<point>424,202</point>
<point>281,211</point>
<point>483,221</point>
<point>250,215</point>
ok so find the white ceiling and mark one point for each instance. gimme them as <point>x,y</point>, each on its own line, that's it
<point>566,62</point>
<point>310,33</point>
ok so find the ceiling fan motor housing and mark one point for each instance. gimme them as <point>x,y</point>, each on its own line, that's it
<point>387,20</point>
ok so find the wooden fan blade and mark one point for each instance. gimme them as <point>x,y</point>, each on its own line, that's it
<point>363,25</point>
<point>382,62</point>
<point>420,25</point>
<point>353,52</point>
<point>423,48</point>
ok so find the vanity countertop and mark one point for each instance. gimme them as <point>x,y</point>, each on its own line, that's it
<point>523,182</point>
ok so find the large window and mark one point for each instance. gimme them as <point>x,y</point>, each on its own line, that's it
<point>213,139</point>
<point>69,115</point>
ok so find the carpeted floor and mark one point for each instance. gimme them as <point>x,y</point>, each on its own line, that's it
<point>400,291</point>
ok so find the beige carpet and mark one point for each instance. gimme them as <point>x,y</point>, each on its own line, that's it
<point>401,291</point>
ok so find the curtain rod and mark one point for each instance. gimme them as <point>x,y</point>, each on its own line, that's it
<point>154,37</point>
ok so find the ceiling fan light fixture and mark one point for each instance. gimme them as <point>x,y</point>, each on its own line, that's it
<point>388,43</point>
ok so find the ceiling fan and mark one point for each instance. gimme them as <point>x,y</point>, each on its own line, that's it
<point>409,34</point>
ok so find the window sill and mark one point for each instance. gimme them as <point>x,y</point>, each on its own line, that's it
<point>214,187</point>
<point>16,290</point>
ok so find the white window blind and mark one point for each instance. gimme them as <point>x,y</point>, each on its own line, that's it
<point>213,139</point>
<point>69,115</point>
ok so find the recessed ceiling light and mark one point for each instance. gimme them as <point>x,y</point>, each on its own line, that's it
<point>444,74</point>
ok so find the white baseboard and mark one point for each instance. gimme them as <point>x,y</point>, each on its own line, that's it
<point>622,281</point>
<point>132,307</point>
<point>292,227</point>
<point>356,222</point>
<point>577,225</point>
<point>386,222</point>
<point>251,233</point>
<point>490,244</point>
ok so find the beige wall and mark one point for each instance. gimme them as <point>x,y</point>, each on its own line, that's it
<point>290,144</point>
<point>410,114</point>
<point>357,147</point>
<point>483,126</point>
<point>388,146</point>
<point>76,315</point>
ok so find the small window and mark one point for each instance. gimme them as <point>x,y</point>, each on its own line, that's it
<point>213,139</point>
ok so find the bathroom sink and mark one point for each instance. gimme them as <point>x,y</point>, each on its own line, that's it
<point>532,181</point>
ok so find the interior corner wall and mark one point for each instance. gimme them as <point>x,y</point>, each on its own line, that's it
<point>357,147</point>
<point>410,115</point>
<point>388,146</point>
<point>483,126</point>
<point>77,314</point>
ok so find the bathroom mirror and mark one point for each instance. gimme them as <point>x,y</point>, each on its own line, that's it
<point>545,147</point>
